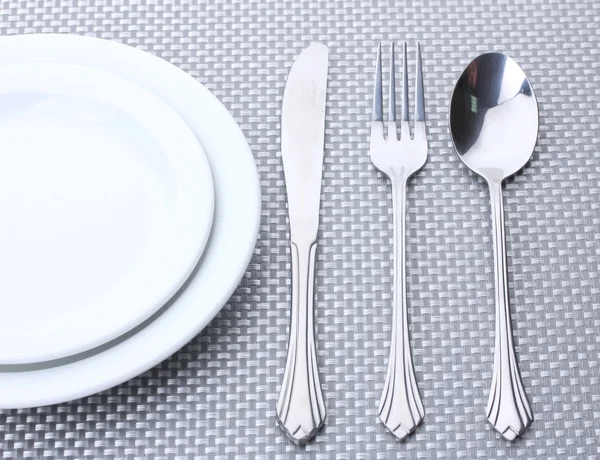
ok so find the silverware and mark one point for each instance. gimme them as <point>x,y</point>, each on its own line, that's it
<point>494,124</point>
<point>301,409</point>
<point>401,409</point>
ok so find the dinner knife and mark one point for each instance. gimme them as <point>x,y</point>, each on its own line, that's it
<point>300,408</point>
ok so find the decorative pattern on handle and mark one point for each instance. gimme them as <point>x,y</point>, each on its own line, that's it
<point>301,409</point>
<point>508,409</point>
<point>401,408</point>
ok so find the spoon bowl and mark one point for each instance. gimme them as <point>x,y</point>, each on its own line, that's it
<point>494,117</point>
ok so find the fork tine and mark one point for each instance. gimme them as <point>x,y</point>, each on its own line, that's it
<point>392,134</point>
<point>419,91</point>
<point>405,117</point>
<point>392,99</point>
<point>378,94</point>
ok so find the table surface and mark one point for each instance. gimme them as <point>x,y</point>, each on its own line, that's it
<point>216,397</point>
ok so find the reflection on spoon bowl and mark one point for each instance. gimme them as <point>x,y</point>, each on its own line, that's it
<point>494,117</point>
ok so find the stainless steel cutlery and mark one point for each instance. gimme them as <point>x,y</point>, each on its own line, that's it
<point>301,409</point>
<point>401,409</point>
<point>494,126</point>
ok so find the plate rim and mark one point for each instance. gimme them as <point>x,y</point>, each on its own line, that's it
<point>53,382</point>
<point>190,232</point>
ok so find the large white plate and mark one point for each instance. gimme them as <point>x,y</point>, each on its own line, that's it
<point>224,261</point>
<point>107,203</point>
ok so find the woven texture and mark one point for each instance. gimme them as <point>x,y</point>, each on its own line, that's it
<point>216,397</point>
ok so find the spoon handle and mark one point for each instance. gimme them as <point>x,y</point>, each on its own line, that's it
<point>401,409</point>
<point>508,409</point>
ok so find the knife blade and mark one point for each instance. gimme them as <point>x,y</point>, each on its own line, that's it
<point>302,138</point>
<point>301,408</point>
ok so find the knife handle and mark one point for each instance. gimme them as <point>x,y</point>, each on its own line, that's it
<point>401,408</point>
<point>301,409</point>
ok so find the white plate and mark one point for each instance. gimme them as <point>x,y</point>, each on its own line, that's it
<point>230,247</point>
<point>107,204</point>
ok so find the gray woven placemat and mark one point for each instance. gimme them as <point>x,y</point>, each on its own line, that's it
<point>216,397</point>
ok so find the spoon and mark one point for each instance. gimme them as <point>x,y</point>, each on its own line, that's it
<point>494,126</point>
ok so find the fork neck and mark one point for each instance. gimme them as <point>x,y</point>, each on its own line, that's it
<point>399,216</point>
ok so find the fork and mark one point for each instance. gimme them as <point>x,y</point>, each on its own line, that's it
<point>401,409</point>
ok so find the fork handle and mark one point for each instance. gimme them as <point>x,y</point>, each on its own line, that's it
<point>508,410</point>
<point>301,409</point>
<point>401,408</point>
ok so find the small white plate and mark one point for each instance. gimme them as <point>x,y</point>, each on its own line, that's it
<point>107,203</point>
<point>224,261</point>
